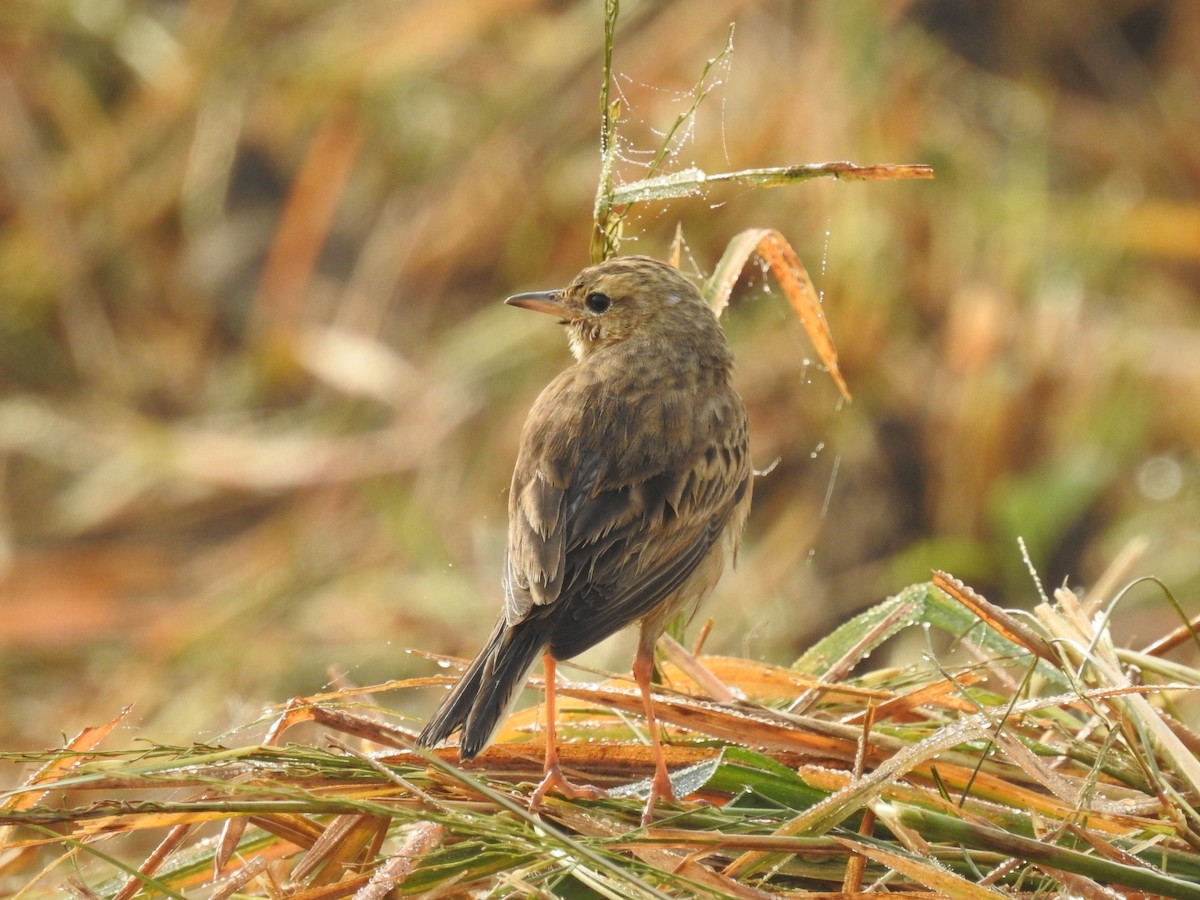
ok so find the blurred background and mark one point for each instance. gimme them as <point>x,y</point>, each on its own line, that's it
<point>260,400</point>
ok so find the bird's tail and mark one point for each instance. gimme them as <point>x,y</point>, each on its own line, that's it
<point>483,696</point>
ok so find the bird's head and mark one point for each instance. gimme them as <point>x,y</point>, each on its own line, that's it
<point>622,298</point>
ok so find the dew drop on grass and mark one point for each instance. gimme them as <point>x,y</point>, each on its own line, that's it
<point>443,664</point>
<point>1160,478</point>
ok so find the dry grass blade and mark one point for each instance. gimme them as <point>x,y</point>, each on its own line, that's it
<point>348,842</point>
<point>237,880</point>
<point>172,842</point>
<point>942,694</point>
<point>754,727</point>
<point>1189,631</point>
<point>996,618</point>
<point>923,871</point>
<point>421,841</point>
<point>793,279</point>
<point>690,182</point>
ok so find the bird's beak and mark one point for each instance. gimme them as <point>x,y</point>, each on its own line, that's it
<point>549,302</point>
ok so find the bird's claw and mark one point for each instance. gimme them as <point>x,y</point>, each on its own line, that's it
<point>660,789</point>
<point>556,781</point>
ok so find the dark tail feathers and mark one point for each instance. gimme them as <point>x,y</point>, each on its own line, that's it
<point>483,696</point>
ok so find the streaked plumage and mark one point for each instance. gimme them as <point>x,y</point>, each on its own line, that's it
<point>632,481</point>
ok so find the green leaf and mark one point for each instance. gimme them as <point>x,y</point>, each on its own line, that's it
<point>739,770</point>
<point>881,622</point>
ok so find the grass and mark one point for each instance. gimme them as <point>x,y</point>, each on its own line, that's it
<point>241,395</point>
<point>1044,759</point>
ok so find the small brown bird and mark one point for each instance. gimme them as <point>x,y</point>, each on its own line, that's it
<point>632,481</point>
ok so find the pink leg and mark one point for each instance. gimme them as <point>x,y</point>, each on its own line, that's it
<point>643,671</point>
<point>554,777</point>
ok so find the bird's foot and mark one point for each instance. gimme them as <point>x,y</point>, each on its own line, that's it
<point>555,780</point>
<point>660,789</point>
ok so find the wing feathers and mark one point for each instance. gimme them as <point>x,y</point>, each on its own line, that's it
<point>608,546</point>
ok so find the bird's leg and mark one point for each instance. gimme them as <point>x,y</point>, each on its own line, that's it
<point>554,777</point>
<point>643,671</point>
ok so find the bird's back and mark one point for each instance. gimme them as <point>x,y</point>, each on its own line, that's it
<point>632,465</point>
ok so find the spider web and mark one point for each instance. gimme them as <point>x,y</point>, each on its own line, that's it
<point>677,142</point>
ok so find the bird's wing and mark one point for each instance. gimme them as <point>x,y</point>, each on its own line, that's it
<point>598,538</point>
<point>672,522</point>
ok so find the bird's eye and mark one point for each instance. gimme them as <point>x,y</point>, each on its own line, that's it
<point>597,302</point>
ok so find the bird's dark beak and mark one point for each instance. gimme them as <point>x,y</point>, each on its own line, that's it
<point>549,302</point>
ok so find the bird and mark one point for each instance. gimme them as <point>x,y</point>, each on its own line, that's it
<point>632,485</point>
